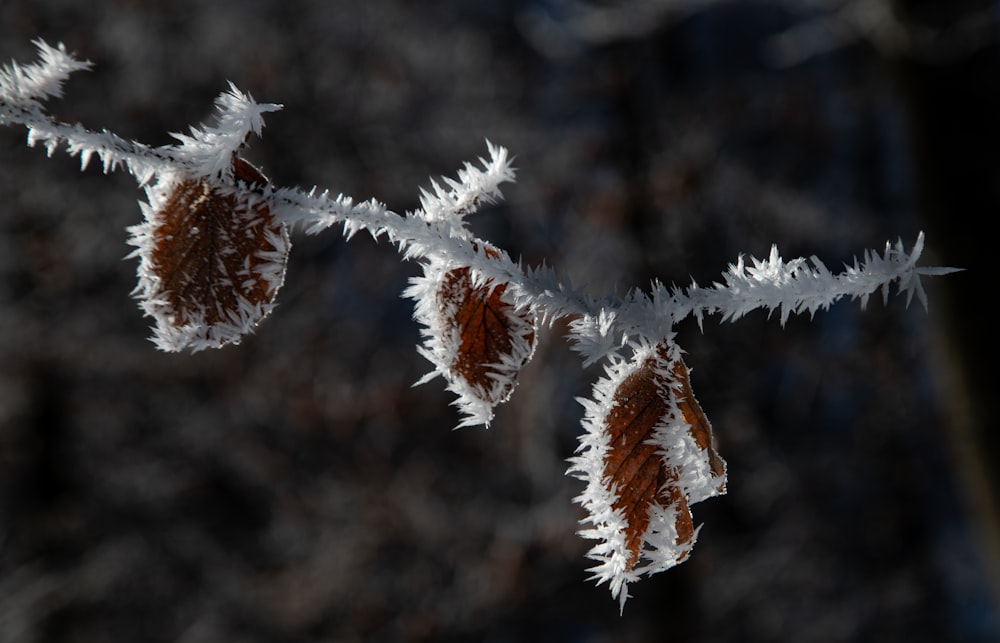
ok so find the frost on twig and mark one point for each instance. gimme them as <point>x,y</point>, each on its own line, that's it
<point>790,287</point>
<point>801,285</point>
<point>214,244</point>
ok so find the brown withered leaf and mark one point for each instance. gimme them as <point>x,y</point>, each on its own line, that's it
<point>218,257</point>
<point>699,428</point>
<point>491,331</point>
<point>635,469</point>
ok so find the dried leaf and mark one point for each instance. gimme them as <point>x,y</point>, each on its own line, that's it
<point>212,261</point>
<point>484,323</point>
<point>633,468</point>
<point>646,457</point>
<point>475,337</point>
<point>698,426</point>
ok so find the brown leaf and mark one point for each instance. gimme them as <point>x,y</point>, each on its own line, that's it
<point>491,333</point>
<point>217,258</point>
<point>637,473</point>
<point>698,424</point>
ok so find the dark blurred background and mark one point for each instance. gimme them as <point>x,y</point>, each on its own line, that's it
<point>296,488</point>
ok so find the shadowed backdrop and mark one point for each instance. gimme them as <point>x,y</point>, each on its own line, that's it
<point>298,488</point>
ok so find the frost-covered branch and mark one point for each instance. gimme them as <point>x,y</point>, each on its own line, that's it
<point>23,89</point>
<point>214,243</point>
<point>205,151</point>
<point>791,287</point>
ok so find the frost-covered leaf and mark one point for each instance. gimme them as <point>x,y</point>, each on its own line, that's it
<point>475,338</point>
<point>211,259</point>
<point>646,456</point>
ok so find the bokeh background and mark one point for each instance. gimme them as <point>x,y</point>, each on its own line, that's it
<point>298,488</point>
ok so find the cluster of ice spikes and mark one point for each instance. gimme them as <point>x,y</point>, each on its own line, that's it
<point>214,243</point>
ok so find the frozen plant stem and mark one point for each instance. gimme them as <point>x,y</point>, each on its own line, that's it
<point>214,243</point>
